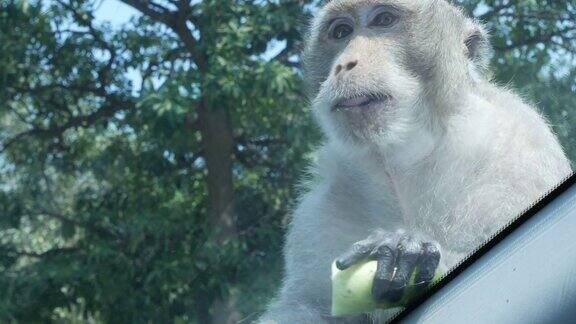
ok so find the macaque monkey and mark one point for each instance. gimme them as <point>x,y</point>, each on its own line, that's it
<point>425,157</point>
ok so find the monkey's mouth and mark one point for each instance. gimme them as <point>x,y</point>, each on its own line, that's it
<point>360,101</point>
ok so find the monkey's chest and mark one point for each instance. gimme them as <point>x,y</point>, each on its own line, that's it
<point>443,219</point>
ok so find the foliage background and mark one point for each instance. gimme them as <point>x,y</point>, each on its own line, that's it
<point>147,171</point>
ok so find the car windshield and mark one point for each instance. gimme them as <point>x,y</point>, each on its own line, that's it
<point>269,161</point>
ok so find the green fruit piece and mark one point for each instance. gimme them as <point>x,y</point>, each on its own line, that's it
<point>352,290</point>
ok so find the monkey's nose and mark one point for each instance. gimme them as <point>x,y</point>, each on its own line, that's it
<point>348,66</point>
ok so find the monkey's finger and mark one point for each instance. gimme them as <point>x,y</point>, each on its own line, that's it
<point>386,258</point>
<point>408,253</point>
<point>428,263</point>
<point>358,251</point>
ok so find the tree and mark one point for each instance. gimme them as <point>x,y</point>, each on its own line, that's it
<point>166,200</point>
<point>140,189</point>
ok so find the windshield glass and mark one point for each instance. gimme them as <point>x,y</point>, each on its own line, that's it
<point>225,161</point>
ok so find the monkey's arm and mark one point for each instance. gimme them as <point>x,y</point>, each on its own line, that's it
<point>493,203</point>
<point>317,234</point>
<point>329,219</point>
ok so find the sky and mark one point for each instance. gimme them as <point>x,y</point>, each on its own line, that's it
<point>115,12</point>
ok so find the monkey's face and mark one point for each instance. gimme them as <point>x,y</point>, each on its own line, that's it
<point>367,93</point>
<point>364,62</point>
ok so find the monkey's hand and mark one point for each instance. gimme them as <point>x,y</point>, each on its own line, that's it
<point>398,257</point>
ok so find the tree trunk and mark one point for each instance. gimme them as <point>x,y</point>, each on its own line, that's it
<point>218,144</point>
<point>225,312</point>
<point>202,313</point>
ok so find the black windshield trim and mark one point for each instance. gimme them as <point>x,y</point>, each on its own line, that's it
<point>482,250</point>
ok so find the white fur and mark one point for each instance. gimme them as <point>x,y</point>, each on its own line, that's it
<point>455,173</point>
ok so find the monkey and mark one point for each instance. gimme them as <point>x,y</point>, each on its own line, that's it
<point>424,159</point>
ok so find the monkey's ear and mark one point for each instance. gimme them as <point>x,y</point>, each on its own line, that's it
<point>473,43</point>
<point>477,45</point>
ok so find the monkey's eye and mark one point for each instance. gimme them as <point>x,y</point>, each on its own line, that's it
<point>340,29</point>
<point>384,19</point>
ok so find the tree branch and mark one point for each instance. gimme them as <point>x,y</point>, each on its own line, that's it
<point>175,20</point>
<point>158,14</point>
<point>97,35</point>
<point>47,254</point>
<point>284,55</point>
<point>113,105</point>
<point>99,230</point>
